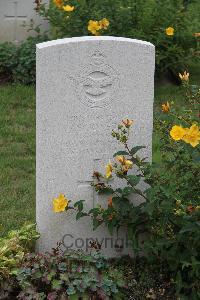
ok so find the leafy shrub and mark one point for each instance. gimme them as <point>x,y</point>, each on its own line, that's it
<point>25,70</point>
<point>8,58</point>
<point>14,246</point>
<point>77,276</point>
<point>170,212</point>
<point>146,20</point>
<point>173,206</point>
<point>18,62</point>
<point>73,275</point>
<point>141,19</point>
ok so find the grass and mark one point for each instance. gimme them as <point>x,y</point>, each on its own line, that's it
<point>17,149</point>
<point>17,156</point>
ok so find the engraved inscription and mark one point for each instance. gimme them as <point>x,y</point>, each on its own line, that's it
<point>97,83</point>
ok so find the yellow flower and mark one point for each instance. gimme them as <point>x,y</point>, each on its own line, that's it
<point>192,135</point>
<point>177,132</point>
<point>128,164</point>
<point>68,8</point>
<point>60,203</point>
<point>184,76</point>
<point>109,169</point>
<point>197,34</point>
<point>169,31</point>
<point>166,107</point>
<point>94,27</point>
<point>58,3</point>
<point>104,23</point>
<point>127,122</point>
<point>120,159</point>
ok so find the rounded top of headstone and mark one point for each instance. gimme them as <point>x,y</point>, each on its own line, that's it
<point>91,38</point>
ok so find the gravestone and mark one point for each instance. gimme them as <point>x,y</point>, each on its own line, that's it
<point>14,14</point>
<point>85,87</point>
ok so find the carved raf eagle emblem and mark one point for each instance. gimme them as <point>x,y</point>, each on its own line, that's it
<point>97,83</point>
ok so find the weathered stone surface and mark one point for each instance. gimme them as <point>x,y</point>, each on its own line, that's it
<point>85,87</point>
<point>13,15</point>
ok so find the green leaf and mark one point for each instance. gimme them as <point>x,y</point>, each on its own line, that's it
<point>80,215</point>
<point>116,200</point>
<point>135,149</point>
<point>37,275</point>
<point>81,296</point>
<point>56,284</point>
<point>85,296</point>
<point>133,179</point>
<point>114,289</point>
<point>51,275</point>
<point>121,153</point>
<point>111,227</point>
<point>194,88</point>
<point>95,211</point>
<point>71,291</point>
<point>96,223</point>
<point>106,191</point>
<point>74,297</point>
<point>64,277</point>
<point>79,205</point>
<point>119,191</point>
<point>127,191</point>
<point>196,157</point>
<point>119,297</point>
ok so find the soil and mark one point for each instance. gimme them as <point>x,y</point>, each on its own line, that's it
<point>4,79</point>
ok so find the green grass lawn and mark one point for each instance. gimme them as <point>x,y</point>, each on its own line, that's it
<point>17,150</point>
<point>17,156</point>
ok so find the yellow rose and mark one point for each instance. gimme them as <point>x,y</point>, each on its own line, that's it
<point>58,3</point>
<point>94,27</point>
<point>60,203</point>
<point>184,76</point>
<point>68,8</point>
<point>177,132</point>
<point>169,31</point>
<point>109,169</point>
<point>128,164</point>
<point>104,23</point>
<point>120,159</point>
<point>192,135</point>
<point>166,107</point>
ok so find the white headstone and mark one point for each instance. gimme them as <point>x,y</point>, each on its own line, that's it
<point>85,87</point>
<point>14,14</point>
